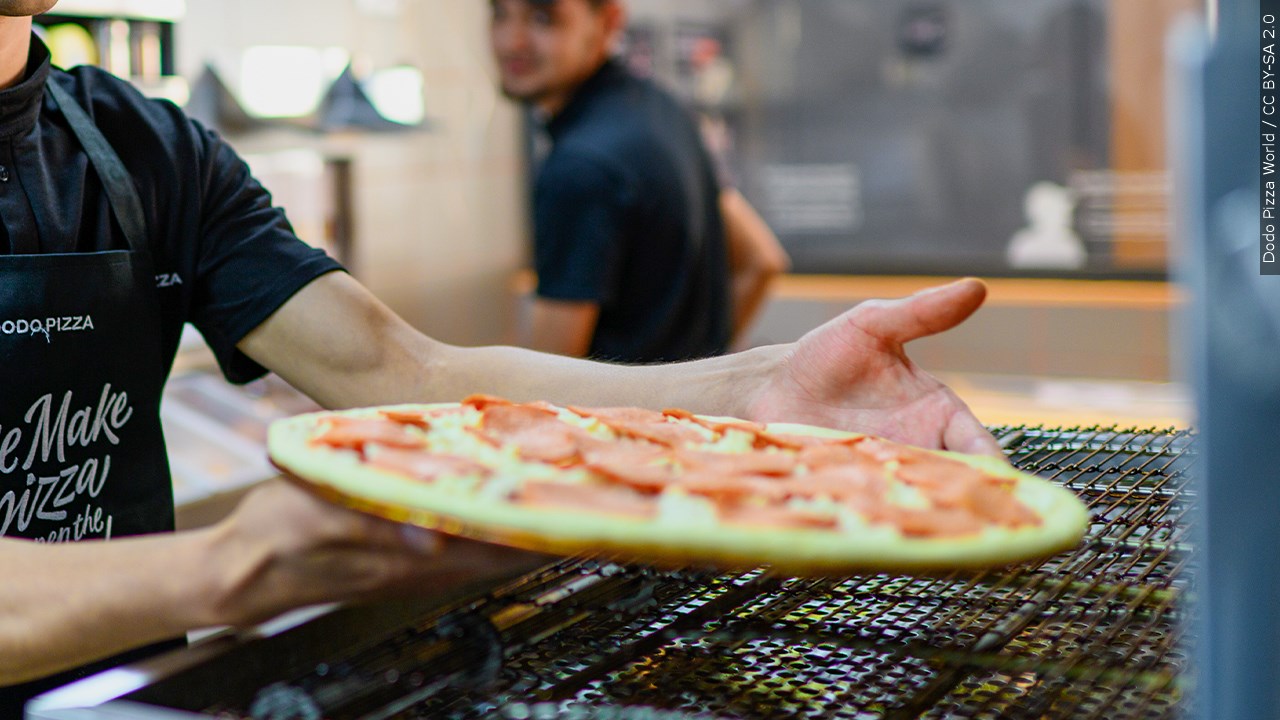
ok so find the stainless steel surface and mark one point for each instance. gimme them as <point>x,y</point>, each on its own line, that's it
<point>1091,633</point>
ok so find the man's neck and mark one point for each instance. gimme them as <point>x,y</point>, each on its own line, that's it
<point>548,106</point>
<point>15,45</point>
<point>552,104</point>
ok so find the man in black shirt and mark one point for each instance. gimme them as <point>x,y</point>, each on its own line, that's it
<point>121,220</point>
<point>631,247</point>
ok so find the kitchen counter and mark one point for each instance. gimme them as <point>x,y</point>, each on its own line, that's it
<point>1115,330</point>
<point>1023,292</point>
<point>1072,402</point>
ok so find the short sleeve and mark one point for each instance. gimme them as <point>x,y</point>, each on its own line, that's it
<point>250,262</point>
<point>579,210</point>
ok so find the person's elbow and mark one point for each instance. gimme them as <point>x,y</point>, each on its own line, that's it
<point>563,327</point>
<point>775,263</point>
<point>767,265</point>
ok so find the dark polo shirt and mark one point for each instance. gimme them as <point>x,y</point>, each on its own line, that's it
<point>627,215</point>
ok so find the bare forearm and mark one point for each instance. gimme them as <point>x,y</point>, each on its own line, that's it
<point>414,369</point>
<point>65,605</point>
<point>336,342</point>
<point>376,358</point>
<point>713,386</point>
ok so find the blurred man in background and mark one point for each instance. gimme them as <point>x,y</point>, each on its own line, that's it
<point>641,256</point>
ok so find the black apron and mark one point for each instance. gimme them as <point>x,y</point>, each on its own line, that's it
<point>81,449</point>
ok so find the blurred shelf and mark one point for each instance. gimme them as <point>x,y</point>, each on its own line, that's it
<point>1031,292</point>
<point>163,10</point>
<point>1024,292</point>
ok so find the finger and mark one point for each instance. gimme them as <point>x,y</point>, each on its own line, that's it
<point>926,313</point>
<point>964,433</point>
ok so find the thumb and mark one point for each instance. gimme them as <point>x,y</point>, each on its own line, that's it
<point>925,313</point>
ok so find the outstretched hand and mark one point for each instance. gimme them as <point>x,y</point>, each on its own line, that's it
<point>284,547</point>
<point>853,373</point>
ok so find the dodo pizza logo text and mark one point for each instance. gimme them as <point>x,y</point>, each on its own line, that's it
<point>46,327</point>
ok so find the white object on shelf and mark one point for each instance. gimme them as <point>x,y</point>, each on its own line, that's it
<point>1048,241</point>
<point>169,10</point>
<point>396,92</point>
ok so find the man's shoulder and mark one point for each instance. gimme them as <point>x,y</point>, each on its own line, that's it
<point>622,105</point>
<point>616,139</point>
<point>573,168</point>
<point>638,89</point>
<point>119,108</point>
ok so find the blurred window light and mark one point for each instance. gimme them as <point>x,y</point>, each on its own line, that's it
<point>70,45</point>
<point>381,8</point>
<point>335,60</point>
<point>396,92</point>
<point>286,81</point>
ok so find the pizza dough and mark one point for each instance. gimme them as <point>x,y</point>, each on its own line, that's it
<point>676,488</point>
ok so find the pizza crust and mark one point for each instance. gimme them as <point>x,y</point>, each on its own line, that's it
<point>343,477</point>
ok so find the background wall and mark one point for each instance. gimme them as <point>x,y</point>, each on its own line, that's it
<point>439,215</point>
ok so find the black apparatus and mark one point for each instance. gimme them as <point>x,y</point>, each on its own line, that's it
<point>1091,633</point>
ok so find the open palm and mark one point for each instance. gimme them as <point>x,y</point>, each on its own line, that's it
<point>853,373</point>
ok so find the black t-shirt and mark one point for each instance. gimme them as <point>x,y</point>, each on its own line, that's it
<point>225,258</point>
<point>627,214</point>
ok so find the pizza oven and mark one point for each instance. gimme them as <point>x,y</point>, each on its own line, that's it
<point>1092,633</point>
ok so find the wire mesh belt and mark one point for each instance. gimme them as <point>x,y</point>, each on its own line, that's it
<point>1090,634</point>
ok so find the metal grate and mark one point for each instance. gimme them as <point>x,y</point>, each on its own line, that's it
<point>1090,634</point>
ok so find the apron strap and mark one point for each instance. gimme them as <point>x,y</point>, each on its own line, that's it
<point>122,194</point>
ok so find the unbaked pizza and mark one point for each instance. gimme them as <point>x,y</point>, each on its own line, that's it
<point>674,487</point>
